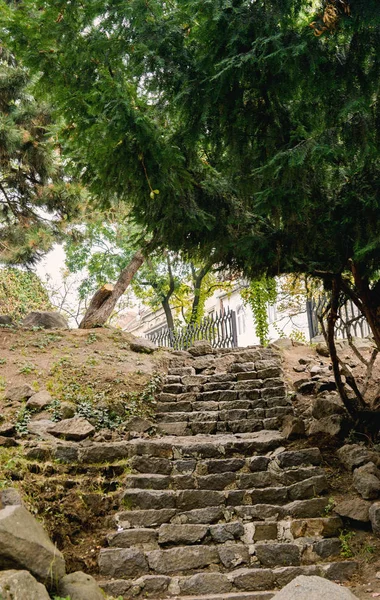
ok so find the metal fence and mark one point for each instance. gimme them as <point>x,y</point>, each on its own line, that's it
<point>219,329</point>
<point>350,319</point>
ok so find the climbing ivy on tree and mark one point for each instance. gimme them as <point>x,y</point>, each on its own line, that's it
<point>21,292</point>
<point>259,293</point>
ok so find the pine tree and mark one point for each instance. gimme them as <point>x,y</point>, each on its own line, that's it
<point>35,200</point>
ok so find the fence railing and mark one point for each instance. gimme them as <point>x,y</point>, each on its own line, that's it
<point>351,321</point>
<point>218,329</point>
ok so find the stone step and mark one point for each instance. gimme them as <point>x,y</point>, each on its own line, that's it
<point>222,480</point>
<point>288,462</point>
<point>214,413</point>
<point>169,534</point>
<point>298,509</point>
<point>241,584</point>
<point>189,499</point>
<point>218,446</point>
<point>260,557</point>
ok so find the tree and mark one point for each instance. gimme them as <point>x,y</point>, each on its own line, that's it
<point>257,122</point>
<point>21,292</point>
<point>35,202</point>
<point>103,247</point>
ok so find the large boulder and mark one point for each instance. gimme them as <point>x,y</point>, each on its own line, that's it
<point>366,481</point>
<point>354,508</point>
<point>201,348</point>
<point>75,429</point>
<point>313,588</point>
<point>39,401</point>
<point>79,586</point>
<point>143,345</point>
<point>18,393</point>
<point>355,455</point>
<point>46,320</point>
<point>24,544</point>
<point>332,426</point>
<point>327,406</point>
<point>5,320</point>
<point>374,517</point>
<point>21,585</point>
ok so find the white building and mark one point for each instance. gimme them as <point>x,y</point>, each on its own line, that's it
<point>280,323</point>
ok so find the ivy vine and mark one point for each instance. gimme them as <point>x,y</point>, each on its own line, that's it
<point>258,294</point>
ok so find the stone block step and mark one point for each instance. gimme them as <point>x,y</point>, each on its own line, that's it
<point>224,480</point>
<point>259,559</point>
<point>164,466</point>
<point>212,495</point>
<point>228,596</point>
<point>244,583</point>
<point>299,509</point>
<point>205,446</point>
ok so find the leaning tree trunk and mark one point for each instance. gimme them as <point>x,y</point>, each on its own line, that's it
<point>105,299</point>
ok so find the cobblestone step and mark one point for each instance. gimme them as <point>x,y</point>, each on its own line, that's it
<point>242,582</point>
<point>299,509</point>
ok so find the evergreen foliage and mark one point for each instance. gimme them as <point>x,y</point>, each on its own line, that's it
<point>247,129</point>
<point>35,201</point>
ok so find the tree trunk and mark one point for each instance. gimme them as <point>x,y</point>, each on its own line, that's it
<point>168,313</point>
<point>353,406</point>
<point>105,299</point>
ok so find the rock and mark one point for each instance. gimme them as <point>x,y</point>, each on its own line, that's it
<point>80,586</point>
<point>332,426</point>
<point>40,427</point>
<point>206,583</point>
<point>313,588</point>
<point>354,508</point>
<point>322,349</point>
<point>182,558</point>
<point>19,393</point>
<point>24,544</point>
<point>75,429</point>
<point>226,531</point>
<point>284,344</point>
<point>67,410</point>
<point>366,481</point>
<point>204,362</point>
<point>253,579</point>
<point>39,401</point>
<point>46,320</point>
<point>374,517</point>
<point>306,388</point>
<point>234,555</point>
<point>201,348</point>
<point>122,562</point>
<point>181,534</point>
<point>7,429</point>
<point>305,361</point>
<point>7,442</point>
<point>355,455</point>
<point>138,424</point>
<point>143,345</point>
<point>299,368</point>
<point>293,427</point>
<point>324,407</point>
<point>5,320</point>
<point>298,382</point>
<point>273,555</point>
<point>21,585</point>
<point>10,497</point>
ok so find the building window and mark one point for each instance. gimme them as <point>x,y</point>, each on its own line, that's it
<point>240,314</point>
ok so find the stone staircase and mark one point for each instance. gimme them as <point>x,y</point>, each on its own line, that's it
<point>216,508</point>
